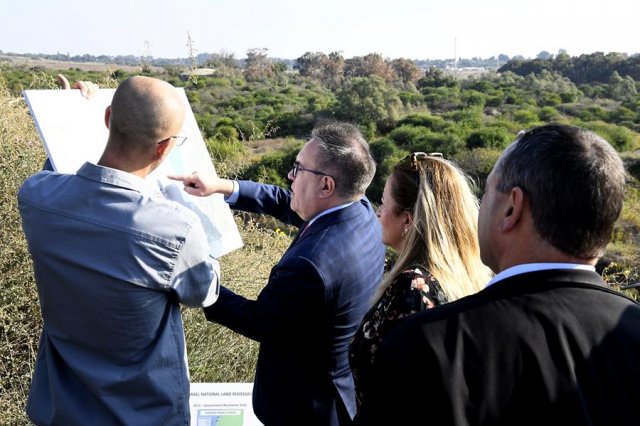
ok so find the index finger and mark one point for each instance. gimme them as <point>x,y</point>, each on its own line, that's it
<point>64,83</point>
<point>179,177</point>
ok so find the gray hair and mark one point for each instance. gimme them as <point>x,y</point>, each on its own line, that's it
<point>345,155</point>
<point>574,181</point>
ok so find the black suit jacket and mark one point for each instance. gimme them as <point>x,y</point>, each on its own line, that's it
<point>309,310</point>
<point>542,348</point>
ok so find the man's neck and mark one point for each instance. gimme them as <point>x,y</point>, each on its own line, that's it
<point>113,162</point>
<point>550,255</point>
<point>531,248</point>
<point>330,207</point>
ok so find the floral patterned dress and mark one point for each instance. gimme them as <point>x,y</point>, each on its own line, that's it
<point>413,290</point>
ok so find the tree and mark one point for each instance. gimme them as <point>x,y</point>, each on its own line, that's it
<point>545,56</point>
<point>311,64</point>
<point>621,88</point>
<point>224,63</point>
<point>489,137</point>
<point>371,64</point>
<point>435,77</point>
<point>407,71</point>
<point>334,70</point>
<point>386,154</point>
<point>257,66</point>
<point>327,69</point>
<point>368,100</point>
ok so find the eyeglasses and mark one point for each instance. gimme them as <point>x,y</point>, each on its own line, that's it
<point>297,167</point>
<point>415,156</point>
<point>179,140</point>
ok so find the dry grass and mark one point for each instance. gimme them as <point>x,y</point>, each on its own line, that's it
<point>215,353</point>
<point>21,154</point>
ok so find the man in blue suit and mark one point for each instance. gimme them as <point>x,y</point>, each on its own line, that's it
<point>318,293</point>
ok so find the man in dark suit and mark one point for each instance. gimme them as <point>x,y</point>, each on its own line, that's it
<point>546,343</point>
<point>318,293</point>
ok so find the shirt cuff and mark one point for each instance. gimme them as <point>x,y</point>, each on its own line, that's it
<point>233,198</point>
<point>214,288</point>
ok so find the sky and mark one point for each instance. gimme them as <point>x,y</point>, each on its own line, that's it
<point>413,29</point>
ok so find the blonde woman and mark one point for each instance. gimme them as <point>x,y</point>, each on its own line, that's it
<point>429,217</point>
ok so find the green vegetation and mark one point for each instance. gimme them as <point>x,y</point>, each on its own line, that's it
<point>255,119</point>
<point>21,154</point>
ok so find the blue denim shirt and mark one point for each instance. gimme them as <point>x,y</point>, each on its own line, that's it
<point>112,264</point>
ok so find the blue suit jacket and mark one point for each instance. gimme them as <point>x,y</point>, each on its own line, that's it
<point>309,310</point>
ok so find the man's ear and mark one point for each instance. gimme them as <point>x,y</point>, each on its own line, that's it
<point>513,209</point>
<point>162,149</point>
<point>328,187</point>
<point>107,116</point>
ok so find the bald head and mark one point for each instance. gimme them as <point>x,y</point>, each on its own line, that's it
<point>145,110</point>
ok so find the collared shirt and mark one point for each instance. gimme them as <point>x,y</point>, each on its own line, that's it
<point>233,198</point>
<point>531,267</point>
<point>112,263</point>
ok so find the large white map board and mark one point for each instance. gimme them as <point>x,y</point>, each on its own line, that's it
<point>73,131</point>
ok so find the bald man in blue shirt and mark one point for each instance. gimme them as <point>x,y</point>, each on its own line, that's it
<point>112,263</point>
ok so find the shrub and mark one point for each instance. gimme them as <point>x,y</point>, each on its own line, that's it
<point>548,114</point>
<point>513,98</point>
<point>490,137</point>
<point>442,98</point>
<point>477,164</point>
<point>386,154</point>
<point>468,118</point>
<point>474,98</point>
<point>273,167</point>
<point>567,97</point>
<point>620,137</point>
<point>410,98</point>
<point>621,114</point>
<point>495,101</point>
<point>550,99</point>
<point>292,124</point>
<point>427,120</point>
<point>528,117</point>
<point>407,135</point>
<point>226,154</point>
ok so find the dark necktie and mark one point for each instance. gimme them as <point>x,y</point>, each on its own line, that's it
<point>302,229</point>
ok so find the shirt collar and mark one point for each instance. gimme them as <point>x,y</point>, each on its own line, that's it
<point>114,177</point>
<point>531,267</point>
<point>332,209</point>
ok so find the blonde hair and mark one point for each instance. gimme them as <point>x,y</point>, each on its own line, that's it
<point>443,235</point>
